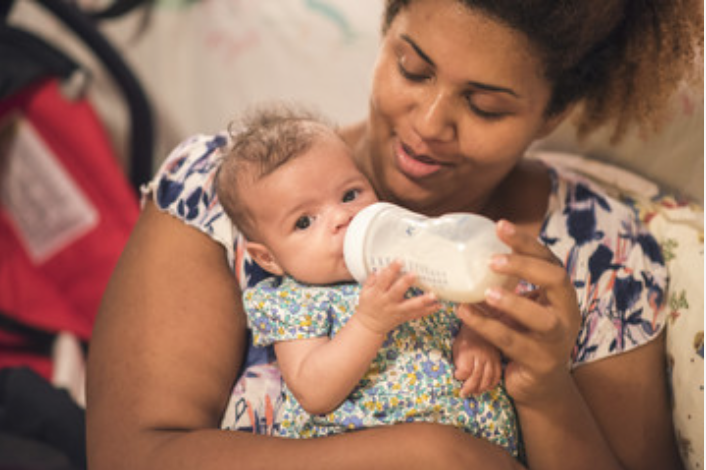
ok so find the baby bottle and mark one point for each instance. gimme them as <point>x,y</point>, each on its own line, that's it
<point>449,254</point>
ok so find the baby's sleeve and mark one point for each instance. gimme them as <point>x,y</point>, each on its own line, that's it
<point>277,312</point>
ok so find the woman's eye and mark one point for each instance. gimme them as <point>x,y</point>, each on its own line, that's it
<point>413,77</point>
<point>489,115</point>
<point>483,113</point>
<point>303,223</point>
<point>350,195</point>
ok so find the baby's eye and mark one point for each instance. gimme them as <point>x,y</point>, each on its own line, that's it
<point>350,195</point>
<point>303,223</point>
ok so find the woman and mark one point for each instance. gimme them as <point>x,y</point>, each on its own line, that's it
<point>460,90</point>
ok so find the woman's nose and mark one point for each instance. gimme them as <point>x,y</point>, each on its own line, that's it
<point>434,120</point>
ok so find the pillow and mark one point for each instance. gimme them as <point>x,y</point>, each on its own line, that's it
<point>679,229</point>
<point>678,226</point>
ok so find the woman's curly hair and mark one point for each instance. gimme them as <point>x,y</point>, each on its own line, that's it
<point>619,60</point>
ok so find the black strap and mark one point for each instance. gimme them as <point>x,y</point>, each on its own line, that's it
<point>117,8</point>
<point>140,111</point>
<point>37,341</point>
<point>27,59</point>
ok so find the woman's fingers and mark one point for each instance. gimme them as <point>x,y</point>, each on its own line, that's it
<point>523,242</point>
<point>530,311</point>
<point>536,264</point>
<point>510,341</point>
<point>550,277</point>
<point>533,260</point>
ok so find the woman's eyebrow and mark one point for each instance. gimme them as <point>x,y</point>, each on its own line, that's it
<point>480,85</point>
<point>493,88</point>
<point>421,53</point>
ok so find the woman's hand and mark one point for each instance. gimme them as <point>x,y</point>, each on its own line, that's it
<point>536,332</point>
<point>546,321</point>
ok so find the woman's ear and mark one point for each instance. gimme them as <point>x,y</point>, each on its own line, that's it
<point>264,258</point>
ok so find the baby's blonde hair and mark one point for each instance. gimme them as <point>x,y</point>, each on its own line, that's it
<point>263,139</point>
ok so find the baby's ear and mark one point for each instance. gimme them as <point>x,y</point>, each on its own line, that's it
<point>264,258</point>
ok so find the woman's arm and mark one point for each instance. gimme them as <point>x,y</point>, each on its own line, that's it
<point>165,350</point>
<point>611,414</point>
<point>628,395</point>
<point>167,345</point>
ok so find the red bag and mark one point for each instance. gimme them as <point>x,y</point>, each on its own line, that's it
<point>66,211</point>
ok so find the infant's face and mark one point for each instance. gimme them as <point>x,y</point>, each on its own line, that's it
<point>303,210</point>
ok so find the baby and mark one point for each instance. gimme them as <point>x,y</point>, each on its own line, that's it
<point>351,356</point>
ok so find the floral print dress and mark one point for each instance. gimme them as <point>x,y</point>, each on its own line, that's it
<point>615,264</point>
<point>410,379</point>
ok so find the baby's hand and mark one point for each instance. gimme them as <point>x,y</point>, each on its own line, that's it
<point>477,363</point>
<point>383,304</point>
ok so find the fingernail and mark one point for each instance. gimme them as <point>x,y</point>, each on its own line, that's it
<point>493,294</point>
<point>507,227</point>
<point>498,261</point>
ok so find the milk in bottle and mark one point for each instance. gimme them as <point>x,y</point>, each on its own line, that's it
<point>449,254</point>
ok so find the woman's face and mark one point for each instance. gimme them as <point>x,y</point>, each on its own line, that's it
<point>456,100</point>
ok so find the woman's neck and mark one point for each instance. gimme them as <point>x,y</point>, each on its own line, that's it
<point>522,197</point>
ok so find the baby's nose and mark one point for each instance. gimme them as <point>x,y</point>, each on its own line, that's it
<point>341,219</point>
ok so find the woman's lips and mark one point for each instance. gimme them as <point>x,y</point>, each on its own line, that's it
<point>415,166</point>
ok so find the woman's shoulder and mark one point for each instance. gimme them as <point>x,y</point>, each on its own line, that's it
<point>584,221</point>
<point>183,186</point>
<point>616,266</point>
<point>187,170</point>
<point>585,211</point>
